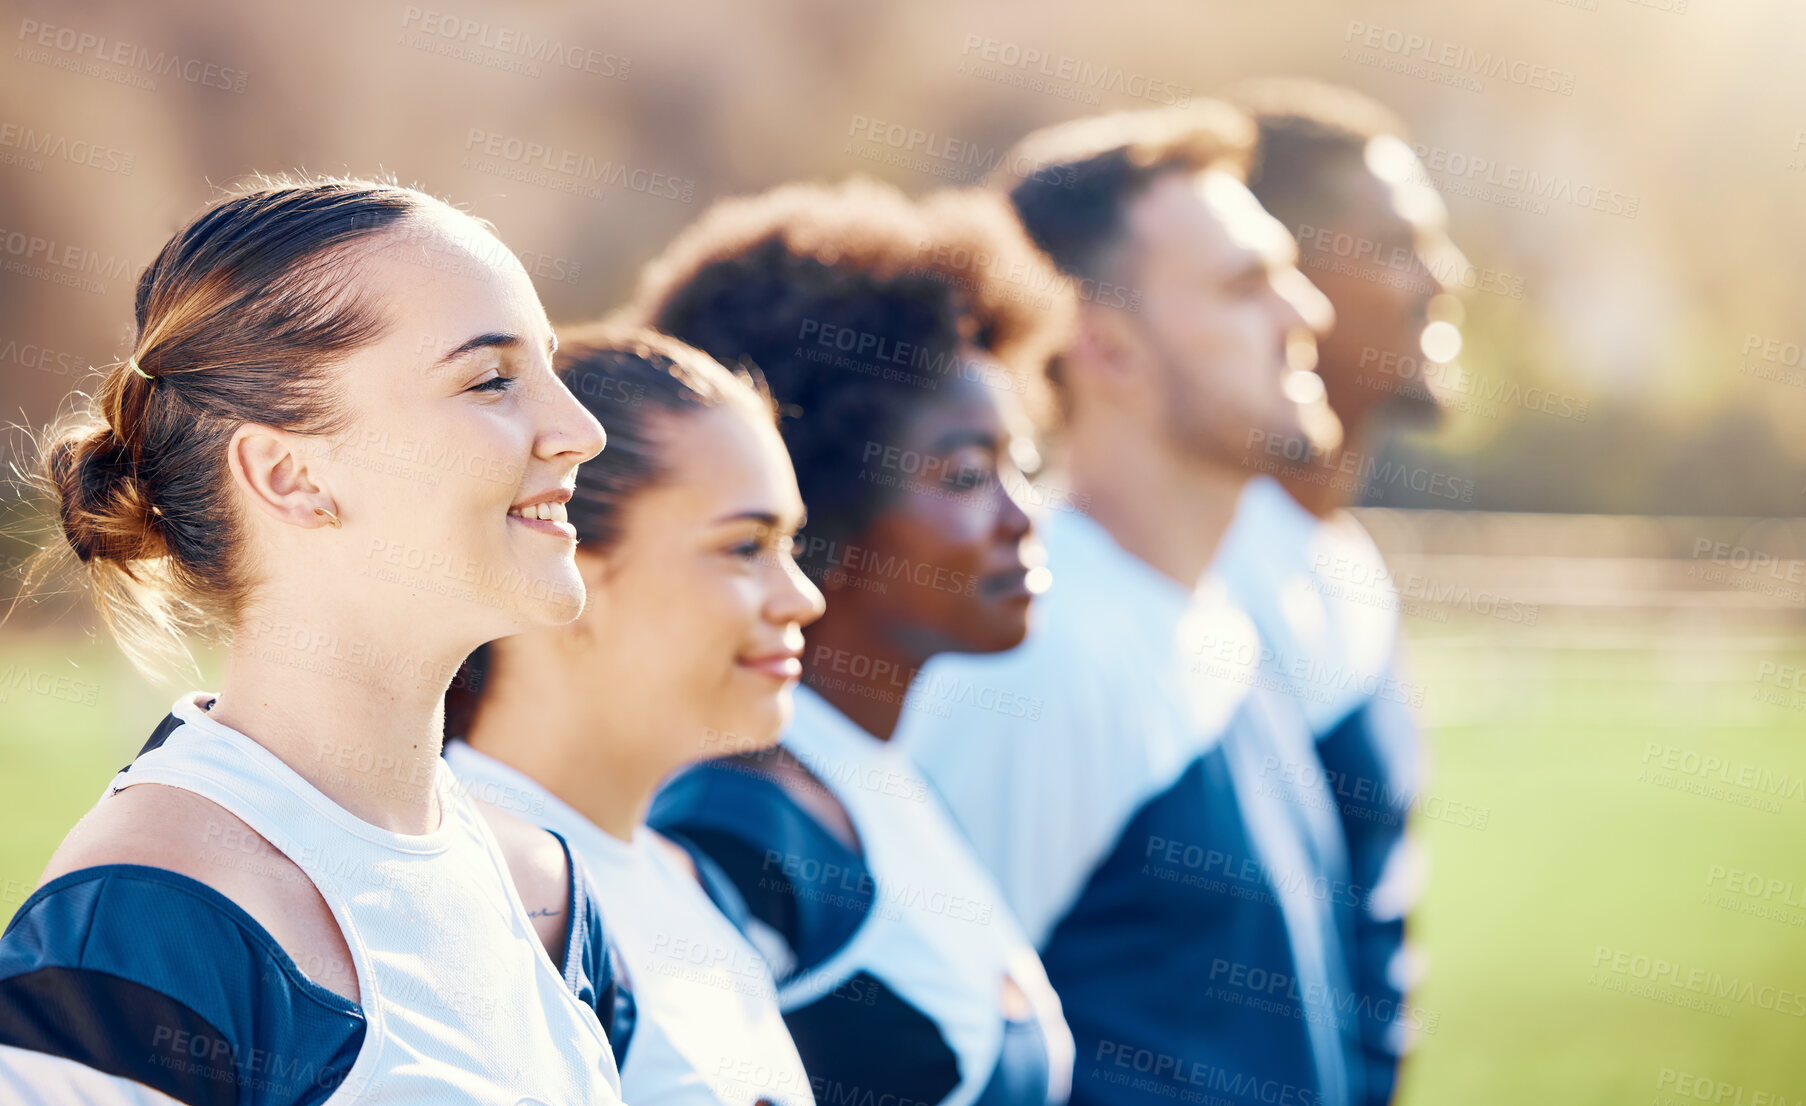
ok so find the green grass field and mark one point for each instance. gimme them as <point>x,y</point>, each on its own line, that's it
<point>1588,844</point>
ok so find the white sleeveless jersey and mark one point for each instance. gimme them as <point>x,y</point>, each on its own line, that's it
<point>462,1003</point>
<point>706,1028</point>
<point>941,933</point>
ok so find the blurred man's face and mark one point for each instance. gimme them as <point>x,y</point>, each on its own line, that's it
<point>1221,295</point>
<point>1381,254</point>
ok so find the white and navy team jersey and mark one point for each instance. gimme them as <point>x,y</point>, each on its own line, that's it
<point>1326,606</point>
<point>125,984</point>
<point>706,1030</point>
<point>902,975</point>
<point>1114,771</point>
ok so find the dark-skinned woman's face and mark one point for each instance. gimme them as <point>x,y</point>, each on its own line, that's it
<point>942,569</point>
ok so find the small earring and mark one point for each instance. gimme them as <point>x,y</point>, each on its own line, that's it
<point>331,519</point>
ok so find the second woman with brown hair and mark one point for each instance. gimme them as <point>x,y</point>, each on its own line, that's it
<point>689,648</point>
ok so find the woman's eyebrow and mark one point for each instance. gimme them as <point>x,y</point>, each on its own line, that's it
<point>491,340</point>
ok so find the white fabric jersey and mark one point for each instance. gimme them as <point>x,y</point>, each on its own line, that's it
<point>706,1031</point>
<point>939,933</point>
<point>1047,752</point>
<point>1328,608</point>
<point>1322,596</point>
<point>1117,648</point>
<point>462,1003</point>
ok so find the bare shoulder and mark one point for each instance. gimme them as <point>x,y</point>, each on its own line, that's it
<point>166,827</point>
<point>782,767</point>
<point>542,876</point>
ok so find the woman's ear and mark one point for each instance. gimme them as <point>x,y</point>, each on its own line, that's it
<point>271,469</point>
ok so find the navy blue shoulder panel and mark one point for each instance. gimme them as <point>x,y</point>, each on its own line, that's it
<point>152,976</point>
<point>863,1042</point>
<point>717,885</point>
<point>169,725</point>
<point>1370,761</point>
<point>589,962</point>
<point>793,874</point>
<point>1159,948</point>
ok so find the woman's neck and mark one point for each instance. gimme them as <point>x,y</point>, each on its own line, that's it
<point>539,715</point>
<point>353,721</point>
<point>841,646</point>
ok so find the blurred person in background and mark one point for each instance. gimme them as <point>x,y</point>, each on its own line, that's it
<point>900,363</point>
<point>1336,168</point>
<point>285,897</point>
<point>687,647</point>
<point>1190,908</point>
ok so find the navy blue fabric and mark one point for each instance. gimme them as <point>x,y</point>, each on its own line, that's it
<point>1021,1075</point>
<point>865,1043</point>
<point>169,725</point>
<point>589,960</point>
<point>1174,966</point>
<point>748,825</point>
<point>717,885</point>
<point>862,1042</point>
<point>149,975</point>
<point>1370,760</point>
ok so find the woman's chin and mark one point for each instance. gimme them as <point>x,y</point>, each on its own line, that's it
<point>757,727</point>
<point>551,598</point>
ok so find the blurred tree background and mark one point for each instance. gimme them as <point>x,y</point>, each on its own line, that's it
<point>1634,168</point>
<point>1625,176</point>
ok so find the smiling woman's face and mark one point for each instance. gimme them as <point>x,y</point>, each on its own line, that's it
<point>695,625</point>
<point>458,427</point>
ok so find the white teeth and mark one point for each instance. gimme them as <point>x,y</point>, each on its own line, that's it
<point>551,512</point>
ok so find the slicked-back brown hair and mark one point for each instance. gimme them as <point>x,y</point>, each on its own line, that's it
<point>239,319</point>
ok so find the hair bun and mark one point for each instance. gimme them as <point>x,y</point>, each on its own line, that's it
<point>103,506</point>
